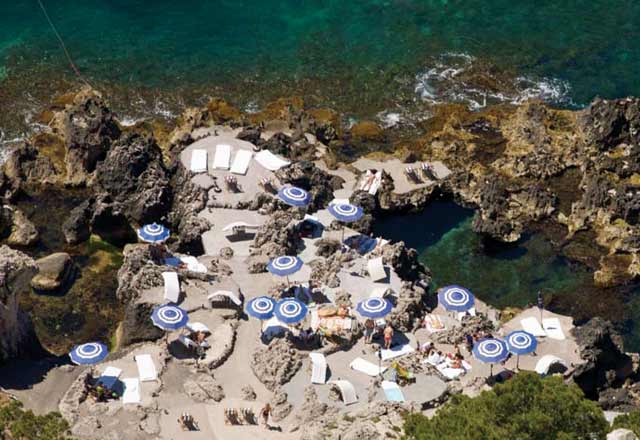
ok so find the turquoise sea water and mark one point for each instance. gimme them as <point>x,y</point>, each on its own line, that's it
<point>358,54</point>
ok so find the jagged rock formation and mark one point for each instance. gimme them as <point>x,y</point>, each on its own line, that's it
<point>275,364</point>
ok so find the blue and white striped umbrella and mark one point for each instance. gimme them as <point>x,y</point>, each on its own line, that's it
<point>294,196</point>
<point>346,212</point>
<point>456,298</point>
<point>153,233</point>
<point>521,342</point>
<point>89,353</point>
<point>374,308</point>
<point>169,317</point>
<point>284,266</point>
<point>290,310</point>
<point>490,350</point>
<point>261,307</point>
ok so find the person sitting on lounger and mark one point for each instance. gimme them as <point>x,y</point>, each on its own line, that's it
<point>388,336</point>
<point>435,357</point>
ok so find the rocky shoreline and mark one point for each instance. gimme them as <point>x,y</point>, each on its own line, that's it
<point>517,166</point>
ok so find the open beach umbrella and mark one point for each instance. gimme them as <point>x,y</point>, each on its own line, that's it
<point>261,307</point>
<point>153,233</point>
<point>490,351</point>
<point>456,298</point>
<point>89,353</point>
<point>294,196</point>
<point>290,310</point>
<point>169,317</point>
<point>374,308</point>
<point>284,266</point>
<point>346,213</point>
<point>521,342</point>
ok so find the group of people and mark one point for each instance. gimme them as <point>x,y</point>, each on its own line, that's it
<point>373,330</point>
<point>434,356</point>
<point>199,339</point>
<point>187,422</point>
<point>101,393</point>
<point>471,339</point>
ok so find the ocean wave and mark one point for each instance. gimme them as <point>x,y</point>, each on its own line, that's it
<point>461,78</point>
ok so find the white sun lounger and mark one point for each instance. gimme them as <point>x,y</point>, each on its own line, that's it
<point>131,391</point>
<point>392,391</point>
<point>339,202</point>
<point>375,267</point>
<point>234,225</point>
<point>222,157</point>
<point>199,161</point>
<point>146,368</point>
<point>532,325</point>
<point>366,367</point>
<point>347,391</point>
<point>171,287</point>
<point>553,328</point>
<point>546,361</point>
<point>197,327</point>
<point>270,161</point>
<point>187,342</point>
<point>110,376</point>
<point>240,163</point>
<point>232,296</point>
<point>373,189</point>
<point>193,265</point>
<point>319,368</point>
<point>434,323</point>
<point>471,312</point>
<point>397,351</point>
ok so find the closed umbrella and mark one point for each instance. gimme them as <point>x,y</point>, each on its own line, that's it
<point>521,342</point>
<point>89,353</point>
<point>374,308</point>
<point>456,298</point>
<point>290,310</point>
<point>294,196</point>
<point>490,351</point>
<point>153,233</point>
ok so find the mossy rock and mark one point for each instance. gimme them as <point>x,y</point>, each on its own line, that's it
<point>277,110</point>
<point>53,147</point>
<point>220,111</point>
<point>367,131</point>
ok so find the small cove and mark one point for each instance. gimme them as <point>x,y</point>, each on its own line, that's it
<point>508,275</point>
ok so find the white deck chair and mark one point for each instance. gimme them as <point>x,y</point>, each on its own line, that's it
<point>375,267</point>
<point>366,367</point>
<point>471,312</point>
<point>222,158</point>
<point>240,163</point>
<point>197,327</point>
<point>392,391</point>
<point>532,325</point>
<point>373,189</point>
<point>193,265</point>
<point>347,391</point>
<point>199,161</point>
<point>270,161</point>
<point>553,328</point>
<point>146,368</point>
<point>434,323</point>
<point>131,391</point>
<point>224,293</point>
<point>546,361</point>
<point>188,343</point>
<point>395,352</point>
<point>319,368</point>
<point>234,225</point>
<point>171,287</point>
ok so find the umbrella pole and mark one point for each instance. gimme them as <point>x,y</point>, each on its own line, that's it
<point>491,370</point>
<point>288,284</point>
<point>342,239</point>
<point>517,362</point>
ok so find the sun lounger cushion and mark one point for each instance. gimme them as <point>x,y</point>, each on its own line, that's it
<point>197,327</point>
<point>270,161</point>
<point>532,325</point>
<point>397,351</point>
<point>319,368</point>
<point>347,390</point>
<point>193,265</point>
<point>553,328</point>
<point>171,286</point>
<point>146,368</point>
<point>376,270</point>
<point>241,162</point>
<point>222,157</point>
<point>131,391</point>
<point>199,161</point>
<point>366,367</point>
<point>392,391</point>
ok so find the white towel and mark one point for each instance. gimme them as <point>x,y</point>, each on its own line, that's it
<point>241,162</point>
<point>532,325</point>
<point>146,368</point>
<point>270,161</point>
<point>222,157</point>
<point>397,352</point>
<point>199,161</point>
<point>553,328</point>
<point>193,265</point>
<point>131,391</point>
<point>366,367</point>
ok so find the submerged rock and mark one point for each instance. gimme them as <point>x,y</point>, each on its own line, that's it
<point>54,272</point>
<point>23,231</point>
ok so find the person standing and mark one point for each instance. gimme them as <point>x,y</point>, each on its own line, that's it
<point>388,336</point>
<point>265,412</point>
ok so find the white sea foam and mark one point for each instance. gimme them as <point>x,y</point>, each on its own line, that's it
<point>251,107</point>
<point>444,81</point>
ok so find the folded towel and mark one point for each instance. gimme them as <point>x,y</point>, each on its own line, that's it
<point>131,391</point>
<point>199,161</point>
